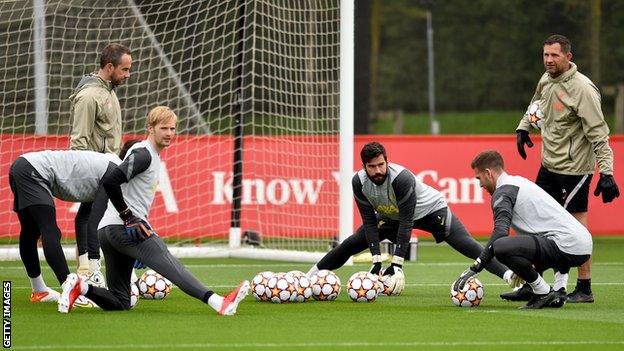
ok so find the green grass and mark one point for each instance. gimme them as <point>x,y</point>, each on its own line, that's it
<point>422,318</point>
<point>479,122</point>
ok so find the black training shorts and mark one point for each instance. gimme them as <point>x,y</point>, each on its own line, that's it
<point>571,191</point>
<point>28,187</point>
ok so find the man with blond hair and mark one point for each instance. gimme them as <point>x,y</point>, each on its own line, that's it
<point>126,235</point>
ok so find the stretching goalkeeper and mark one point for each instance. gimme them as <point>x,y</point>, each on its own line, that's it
<point>392,202</point>
<point>126,236</point>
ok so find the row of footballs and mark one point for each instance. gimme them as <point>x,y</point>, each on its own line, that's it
<point>296,286</point>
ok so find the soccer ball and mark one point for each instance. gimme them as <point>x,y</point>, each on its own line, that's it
<point>534,113</point>
<point>154,286</point>
<point>134,294</point>
<point>303,285</point>
<point>470,295</point>
<point>282,288</point>
<point>259,286</point>
<point>325,285</point>
<point>386,285</point>
<point>363,287</point>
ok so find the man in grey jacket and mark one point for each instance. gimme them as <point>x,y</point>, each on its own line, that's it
<point>96,126</point>
<point>548,238</point>
<point>566,109</point>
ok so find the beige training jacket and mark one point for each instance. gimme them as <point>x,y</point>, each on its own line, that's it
<point>574,132</point>
<point>95,116</point>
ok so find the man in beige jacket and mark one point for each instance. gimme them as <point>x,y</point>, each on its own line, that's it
<point>566,109</point>
<point>96,125</point>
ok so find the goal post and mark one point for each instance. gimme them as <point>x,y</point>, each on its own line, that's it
<point>264,94</point>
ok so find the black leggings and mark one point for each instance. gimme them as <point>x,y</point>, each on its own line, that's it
<point>437,223</point>
<point>120,252</point>
<point>40,221</point>
<point>527,255</point>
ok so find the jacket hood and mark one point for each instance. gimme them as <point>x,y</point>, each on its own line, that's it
<point>88,80</point>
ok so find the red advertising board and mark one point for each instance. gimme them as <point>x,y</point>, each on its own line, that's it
<point>300,199</point>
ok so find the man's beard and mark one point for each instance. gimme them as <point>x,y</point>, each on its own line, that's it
<point>381,180</point>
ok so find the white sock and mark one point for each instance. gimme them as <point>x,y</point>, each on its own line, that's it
<point>38,284</point>
<point>561,281</point>
<point>540,286</point>
<point>83,261</point>
<point>312,271</point>
<point>94,265</point>
<point>215,301</point>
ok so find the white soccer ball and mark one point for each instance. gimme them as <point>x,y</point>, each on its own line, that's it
<point>386,285</point>
<point>535,115</point>
<point>154,286</point>
<point>470,295</point>
<point>282,288</point>
<point>303,285</point>
<point>260,286</point>
<point>325,285</point>
<point>134,294</point>
<point>363,287</point>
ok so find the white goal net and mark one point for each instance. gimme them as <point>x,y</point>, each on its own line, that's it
<point>270,67</point>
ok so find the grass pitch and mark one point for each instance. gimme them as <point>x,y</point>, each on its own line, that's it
<point>422,318</point>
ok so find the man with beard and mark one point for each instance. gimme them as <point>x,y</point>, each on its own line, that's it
<point>392,202</point>
<point>96,126</point>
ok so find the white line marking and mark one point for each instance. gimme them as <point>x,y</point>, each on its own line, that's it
<point>323,344</point>
<point>294,265</point>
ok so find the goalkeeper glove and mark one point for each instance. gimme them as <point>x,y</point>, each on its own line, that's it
<point>522,137</point>
<point>395,273</point>
<point>472,271</point>
<point>463,279</point>
<point>607,186</point>
<point>376,267</point>
<point>136,228</point>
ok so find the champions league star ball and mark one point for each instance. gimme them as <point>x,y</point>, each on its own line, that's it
<point>303,285</point>
<point>363,287</point>
<point>470,295</point>
<point>386,285</point>
<point>325,285</point>
<point>260,286</point>
<point>282,288</point>
<point>134,294</point>
<point>154,286</point>
<point>534,113</point>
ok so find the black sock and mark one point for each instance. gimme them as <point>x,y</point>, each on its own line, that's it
<point>584,286</point>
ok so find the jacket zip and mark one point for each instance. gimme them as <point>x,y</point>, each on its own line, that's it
<point>570,150</point>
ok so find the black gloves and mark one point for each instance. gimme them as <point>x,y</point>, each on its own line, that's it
<point>522,137</point>
<point>375,268</point>
<point>606,185</point>
<point>392,269</point>
<point>463,279</point>
<point>136,228</point>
